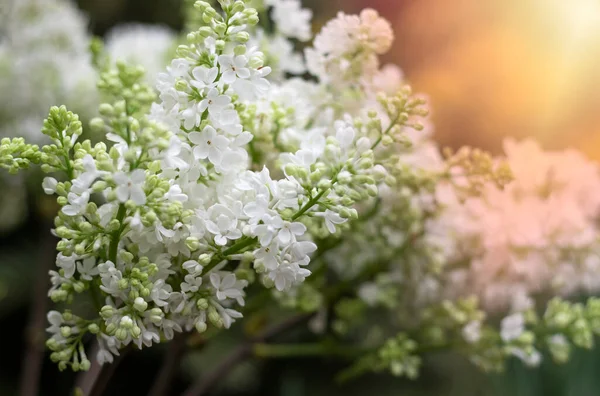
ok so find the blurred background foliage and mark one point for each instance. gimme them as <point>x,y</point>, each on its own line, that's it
<point>491,69</point>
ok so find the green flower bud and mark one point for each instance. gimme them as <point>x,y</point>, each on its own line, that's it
<point>65,331</point>
<point>239,50</point>
<point>121,334</point>
<point>181,85</point>
<point>200,326</point>
<point>205,31</point>
<point>268,282</point>
<point>85,365</point>
<point>241,37</point>
<point>252,20</point>
<point>238,6</point>
<point>67,315</point>
<point>140,304</point>
<point>204,258</point>
<point>97,124</point>
<point>113,225</point>
<point>324,184</point>
<point>192,243</point>
<point>111,328</point>
<point>59,295</point>
<point>201,5</point>
<point>52,344</point>
<point>123,284</point>
<point>106,110</point>
<point>202,304</point>
<point>107,311</point>
<point>387,140</point>
<point>136,332</point>
<point>93,328</point>
<point>372,190</point>
<point>79,287</point>
<point>220,29</point>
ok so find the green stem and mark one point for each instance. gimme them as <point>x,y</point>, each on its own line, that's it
<point>96,297</point>
<point>116,235</point>
<point>389,128</point>
<point>240,245</point>
<point>310,204</point>
<point>68,167</point>
<point>237,247</point>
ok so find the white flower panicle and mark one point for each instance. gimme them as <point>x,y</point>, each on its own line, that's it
<point>45,60</point>
<point>226,175</point>
<point>277,40</point>
<point>166,224</point>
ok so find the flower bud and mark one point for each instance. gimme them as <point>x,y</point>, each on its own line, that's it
<point>79,287</point>
<point>238,6</point>
<point>106,110</point>
<point>324,184</point>
<point>204,31</point>
<point>192,243</point>
<point>200,326</point>
<point>65,331</point>
<point>107,311</point>
<point>67,315</point>
<point>123,284</point>
<point>111,328</point>
<point>204,258</point>
<point>241,37</point>
<point>97,124</point>
<point>387,140</point>
<point>220,28</point>
<point>126,322</point>
<point>140,304</point>
<point>181,85</point>
<point>202,304</point>
<point>85,365</point>
<point>121,334</point>
<point>136,332</point>
<point>239,50</point>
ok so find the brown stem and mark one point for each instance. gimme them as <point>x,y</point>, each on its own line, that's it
<point>240,354</point>
<point>175,352</point>
<point>94,381</point>
<point>33,359</point>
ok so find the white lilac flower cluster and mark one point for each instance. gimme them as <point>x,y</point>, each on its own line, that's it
<point>45,60</point>
<point>283,23</point>
<point>328,192</point>
<point>166,224</point>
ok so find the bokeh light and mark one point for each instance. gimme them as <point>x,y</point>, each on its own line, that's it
<point>501,68</point>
